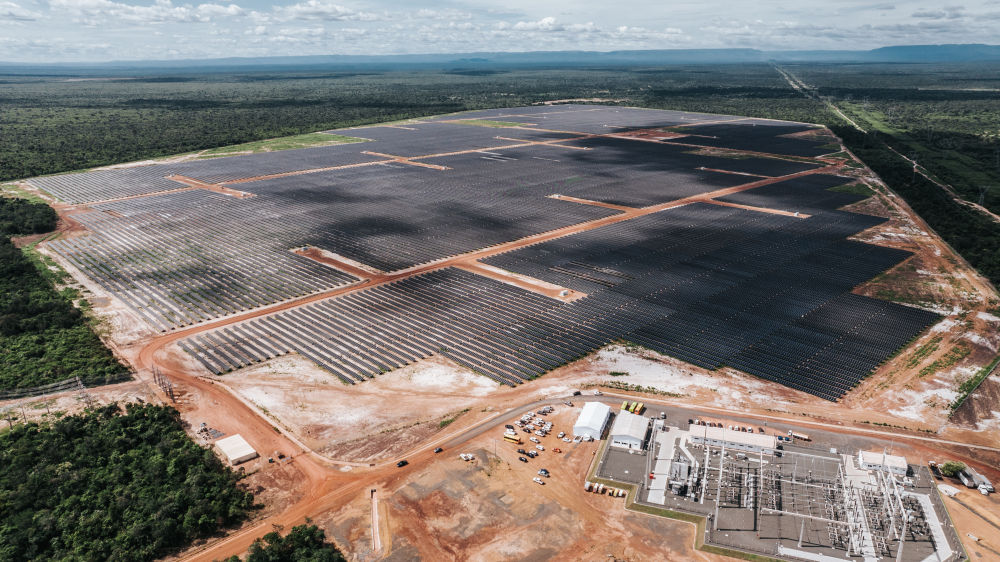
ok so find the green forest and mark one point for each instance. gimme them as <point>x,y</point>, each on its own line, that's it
<point>304,543</point>
<point>111,485</point>
<point>44,337</point>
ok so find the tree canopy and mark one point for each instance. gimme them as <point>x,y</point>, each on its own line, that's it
<point>44,337</point>
<point>111,485</point>
<point>305,543</point>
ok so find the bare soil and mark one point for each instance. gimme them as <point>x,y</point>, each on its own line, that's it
<point>489,509</point>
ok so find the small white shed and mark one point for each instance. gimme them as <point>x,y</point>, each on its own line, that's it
<point>629,430</point>
<point>592,420</point>
<point>236,449</point>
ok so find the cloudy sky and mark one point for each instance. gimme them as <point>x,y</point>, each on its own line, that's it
<point>102,30</point>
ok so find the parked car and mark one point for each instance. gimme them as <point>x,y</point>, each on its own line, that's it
<point>557,450</point>
<point>508,426</point>
<point>522,451</point>
<point>534,440</point>
<point>532,454</point>
<point>567,440</point>
<point>544,472</point>
<point>438,450</point>
<point>561,434</point>
<point>402,463</point>
<point>540,447</point>
<point>522,459</point>
<point>538,480</point>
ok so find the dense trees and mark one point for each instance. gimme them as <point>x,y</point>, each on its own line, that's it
<point>52,125</point>
<point>111,485</point>
<point>19,217</point>
<point>43,337</point>
<point>305,543</point>
<point>972,234</point>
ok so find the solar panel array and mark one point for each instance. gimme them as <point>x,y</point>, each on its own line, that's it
<point>710,285</point>
<point>187,257</point>
<point>766,293</point>
<point>730,279</point>
<point>107,184</point>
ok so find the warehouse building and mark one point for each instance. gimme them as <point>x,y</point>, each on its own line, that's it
<point>732,439</point>
<point>236,449</point>
<point>629,430</point>
<point>592,420</point>
<point>878,460</point>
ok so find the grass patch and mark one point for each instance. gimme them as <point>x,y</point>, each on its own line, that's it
<point>639,388</point>
<point>284,143</point>
<point>923,351</point>
<point>969,386</point>
<point>854,188</point>
<point>953,356</point>
<point>15,191</point>
<point>448,421</point>
<point>617,374</point>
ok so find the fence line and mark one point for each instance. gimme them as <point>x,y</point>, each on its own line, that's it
<point>51,388</point>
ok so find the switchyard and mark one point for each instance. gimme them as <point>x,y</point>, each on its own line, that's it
<point>794,500</point>
<point>511,250</point>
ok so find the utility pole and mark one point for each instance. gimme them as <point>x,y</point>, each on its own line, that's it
<point>983,190</point>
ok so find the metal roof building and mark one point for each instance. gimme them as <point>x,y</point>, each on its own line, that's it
<point>592,420</point>
<point>629,430</point>
<point>877,460</point>
<point>739,440</point>
<point>236,449</point>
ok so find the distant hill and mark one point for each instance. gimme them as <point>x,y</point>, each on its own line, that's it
<point>894,54</point>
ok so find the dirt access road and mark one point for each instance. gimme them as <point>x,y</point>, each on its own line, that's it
<point>325,485</point>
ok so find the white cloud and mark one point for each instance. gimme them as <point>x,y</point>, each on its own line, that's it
<point>10,11</point>
<point>211,28</point>
<point>544,24</point>
<point>321,10</point>
<point>98,12</point>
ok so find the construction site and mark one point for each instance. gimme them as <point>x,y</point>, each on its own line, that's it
<point>327,313</point>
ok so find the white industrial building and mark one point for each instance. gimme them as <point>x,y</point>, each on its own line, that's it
<point>731,439</point>
<point>629,430</point>
<point>236,449</point>
<point>878,460</point>
<point>592,420</point>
